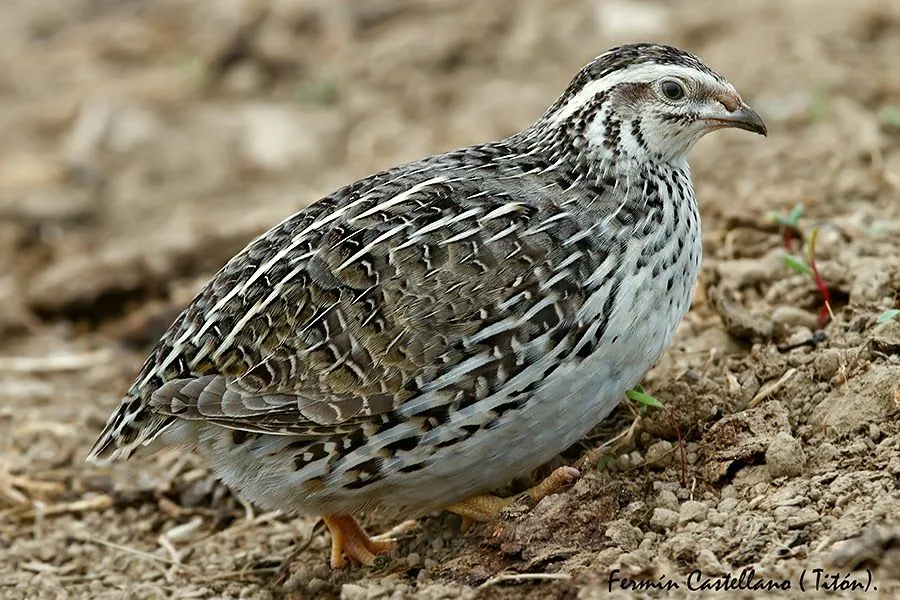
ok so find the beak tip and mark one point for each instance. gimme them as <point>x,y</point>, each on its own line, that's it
<point>743,118</point>
<point>754,121</point>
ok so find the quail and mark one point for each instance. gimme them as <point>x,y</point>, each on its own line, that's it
<point>425,334</point>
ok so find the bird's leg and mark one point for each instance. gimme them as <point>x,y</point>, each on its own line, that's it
<point>348,538</point>
<point>487,507</point>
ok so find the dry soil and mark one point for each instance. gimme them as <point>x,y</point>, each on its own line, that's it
<point>144,142</point>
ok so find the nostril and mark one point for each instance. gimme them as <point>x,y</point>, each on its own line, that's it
<point>730,100</point>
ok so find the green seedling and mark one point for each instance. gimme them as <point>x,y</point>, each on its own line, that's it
<point>791,225</point>
<point>797,265</point>
<point>643,399</point>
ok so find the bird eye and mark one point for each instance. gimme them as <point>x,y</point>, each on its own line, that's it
<point>672,89</point>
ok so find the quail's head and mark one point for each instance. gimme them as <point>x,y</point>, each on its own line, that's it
<point>648,101</point>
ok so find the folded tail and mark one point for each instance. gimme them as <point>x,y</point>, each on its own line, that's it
<point>131,426</point>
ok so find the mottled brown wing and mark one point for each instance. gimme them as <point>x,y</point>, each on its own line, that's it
<point>348,310</point>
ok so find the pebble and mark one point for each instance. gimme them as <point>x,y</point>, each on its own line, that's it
<point>623,462</point>
<point>785,456</point>
<point>886,336</point>
<point>802,518</point>
<point>783,513</point>
<point>827,363</point>
<point>351,591</point>
<point>625,535</point>
<point>692,510</point>
<point>727,505</point>
<point>668,500</point>
<point>663,519</point>
<point>413,559</point>
<point>715,518</point>
<point>792,316</point>
<point>709,563</point>
<point>660,453</point>
<point>636,458</point>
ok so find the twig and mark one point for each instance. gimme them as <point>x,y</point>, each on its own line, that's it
<point>135,552</point>
<point>240,575</point>
<point>770,389</point>
<point>91,504</point>
<point>263,518</point>
<point>397,531</point>
<point>504,577</point>
<point>284,570</point>
<point>590,459</point>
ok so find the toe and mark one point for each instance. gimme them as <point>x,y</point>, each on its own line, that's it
<point>348,539</point>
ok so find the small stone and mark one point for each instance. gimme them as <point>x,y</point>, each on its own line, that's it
<point>727,505</point>
<point>791,316</point>
<point>785,456</point>
<point>667,499</point>
<point>624,535</point>
<point>650,541</point>
<point>663,519</point>
<point>827,364</point>
<point>783,513</point>
<point>660,453</point>
<point>800,337</point>
<point>351,591</point>
<point>709,563</point>
<point>636,458</point>
<point>413,559</point>
<point>875,432</point>
<point>715,518</point>
<point>437,544</point>
<point>693,510</point>
<point>802,518</point>
<point>886,336</point>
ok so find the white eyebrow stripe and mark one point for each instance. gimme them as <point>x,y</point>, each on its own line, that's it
<point>642,73</point>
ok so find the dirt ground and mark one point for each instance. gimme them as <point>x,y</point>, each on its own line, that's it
<point>146,141</point>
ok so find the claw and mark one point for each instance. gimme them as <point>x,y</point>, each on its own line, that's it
<point>348,538</point>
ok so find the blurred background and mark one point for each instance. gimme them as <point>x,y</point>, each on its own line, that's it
<point>144,142</point>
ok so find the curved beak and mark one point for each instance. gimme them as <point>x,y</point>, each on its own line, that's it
<point>743,118</point>
<point>737,114</point>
